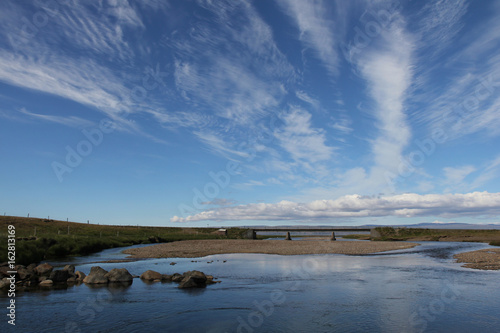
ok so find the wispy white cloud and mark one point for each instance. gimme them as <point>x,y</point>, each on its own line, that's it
<point>307,98</point>
<point>493,165</point>
<point>71,121</point>
<point>387,66</point>
<point>301,140</point>
<point>342,124</point>
<point>84,28</point>
<point>174,120</point>
<point>274,181</point>
<point>84,81</point>
<point>487,173</point>
<point>125,13</point>
<point>71,53</point>
<point>249,184</point>
<point>469,177</point>
<point>232,72</point>
<point>220,202</point>
<point>483,39</point>
<point>239,85</point>
<point>439,23</point>
<point>318,30</point>
<point>79,34</point>
<point>351,206</point>
<point>218,145</point>
<point>454,177</point>
<point>388,72</point>
<point>468,103</point>
<point>231,90</point>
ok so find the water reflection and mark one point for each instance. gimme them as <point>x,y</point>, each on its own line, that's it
<point>112,286</point>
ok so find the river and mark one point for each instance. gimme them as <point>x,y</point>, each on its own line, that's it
<point>415,290</point>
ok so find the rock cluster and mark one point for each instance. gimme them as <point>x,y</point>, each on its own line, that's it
<point>190,279</point>
<point>42,275</point>
<point>99,275</point>
<point>46,276</point>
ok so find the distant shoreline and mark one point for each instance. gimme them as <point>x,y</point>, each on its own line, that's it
<point>202,248</point>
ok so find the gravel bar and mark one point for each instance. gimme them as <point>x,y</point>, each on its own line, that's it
<point>488,259</point>
<point>201,248</point>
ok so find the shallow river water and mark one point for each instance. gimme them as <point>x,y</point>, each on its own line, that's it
<point>416,290</point>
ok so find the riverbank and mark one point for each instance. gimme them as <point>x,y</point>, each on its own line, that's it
<point>39,239</point>
<point>201,248</point>
<point>487,259</point>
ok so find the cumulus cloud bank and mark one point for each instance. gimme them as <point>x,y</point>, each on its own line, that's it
<point>402,205</point>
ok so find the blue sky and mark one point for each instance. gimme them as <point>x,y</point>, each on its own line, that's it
<point>250,112</point>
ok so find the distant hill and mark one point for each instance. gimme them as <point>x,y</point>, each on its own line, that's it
<point>431,225</point>
<point>439,225</point>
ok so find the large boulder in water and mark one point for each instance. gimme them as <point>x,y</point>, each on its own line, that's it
<point>46,283</point>
<point>166,277</point>
<point>43,269</point>
<point>79,276</point>
<point>31,270</point>
<point>4,283</point>
<point>23,273</point>
<point>150,275</point>
<point>193,279</point>
<point>3,271</point>
<point>58,276</point>
<point>97,275</point>
<point>119,275</point>
<point>70,269</point>
<point>176,277</point>
<point>210,280</point>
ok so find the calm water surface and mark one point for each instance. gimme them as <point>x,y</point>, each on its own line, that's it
<point>415,290</point>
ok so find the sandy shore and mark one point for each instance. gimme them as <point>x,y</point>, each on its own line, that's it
<point>201,248</point>
<point>481,259</point>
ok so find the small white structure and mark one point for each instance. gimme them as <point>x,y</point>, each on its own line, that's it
<point>222,232</point>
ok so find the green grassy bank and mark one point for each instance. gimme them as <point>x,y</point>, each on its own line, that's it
<point>450,235</point>
<point>42,239</point>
